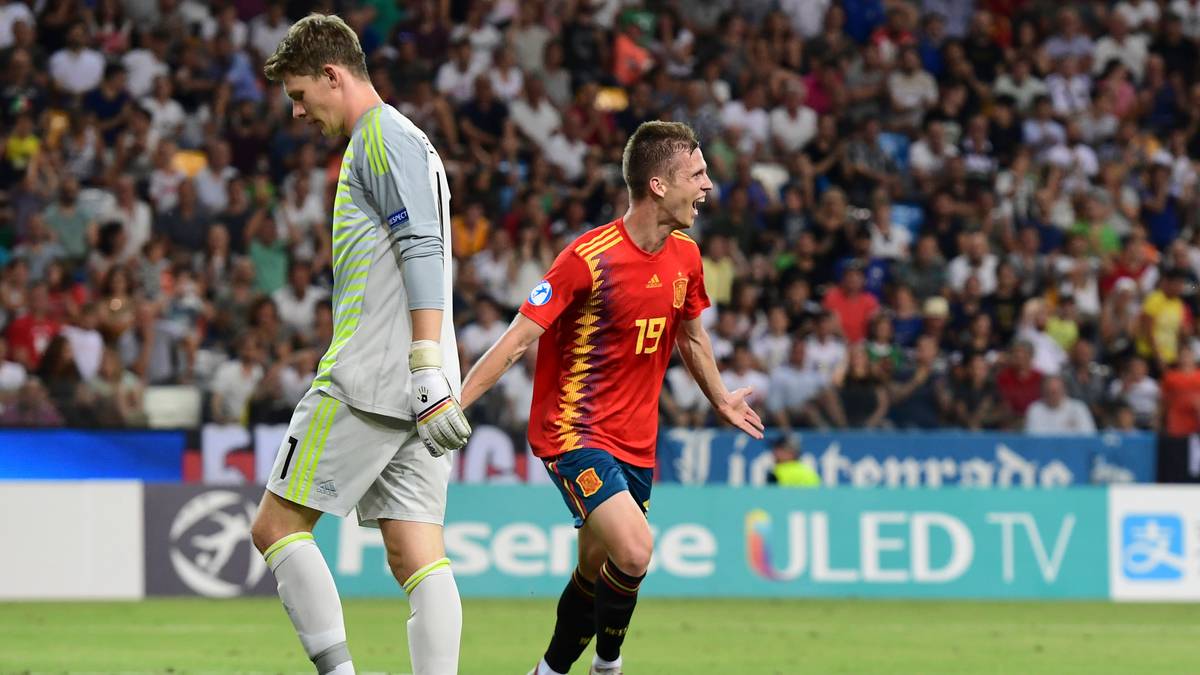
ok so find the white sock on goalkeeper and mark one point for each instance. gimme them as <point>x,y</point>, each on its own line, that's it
<point>311,600</point>
<point>435,622</point>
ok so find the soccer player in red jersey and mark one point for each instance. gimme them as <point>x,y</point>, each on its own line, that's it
<point>606,315</point>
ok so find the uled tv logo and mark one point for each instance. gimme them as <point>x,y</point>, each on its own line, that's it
<point>808,546</point>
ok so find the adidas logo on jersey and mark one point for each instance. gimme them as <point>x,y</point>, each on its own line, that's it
<point>654,282</point>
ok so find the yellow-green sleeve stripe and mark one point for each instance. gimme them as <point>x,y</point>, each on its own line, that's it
<point>379,149</point>
<point>368,146</point>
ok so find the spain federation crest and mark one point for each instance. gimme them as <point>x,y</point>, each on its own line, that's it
<point>589,482</point>
<point>680,292</point>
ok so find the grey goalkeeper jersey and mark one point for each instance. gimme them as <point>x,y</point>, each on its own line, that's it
<point>391,253</point>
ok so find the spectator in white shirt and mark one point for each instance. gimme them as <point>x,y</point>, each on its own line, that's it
<point>682,400</point>
<point>134,215</point>
<point>1070,40</point>
<point>482,37</point>
<point>476,337</point>
<point>302,217</point>
<point>1048,356</point>
<point>888,240</point>
<point>1136,389</point>
<point>145,64</point>
<point>975,261</point>
<point>807,16</point>
<point>534,115</point>
<point>456,78</point>
<point>212,181</point>
<point>1055,413</point>
<point>1021,84</point>
<point>1140,15</point>
<point>912,90</point>
<point>507,79</point>
<point>566,150</point>
<point>528,37</point>
<point>1119,44</point>
<point>742,374</point>
<point>297,300</point>
<point>76,68</point>
<point>772,346</point>
<point>235,380</point>
<point>794,391</point>
<point>1041,131</point>
<point>166,114</point>
<point>267,30</point>
<point>793,124</point>
<point>1069,87</point>
<point>1189,13</point>
<point>87,345</point>
<point>748,118</point>
<point>226,23</point>
<point>12,11</point>
<point>927,157</point>
<point>825,351</point>
<point>165,179</point>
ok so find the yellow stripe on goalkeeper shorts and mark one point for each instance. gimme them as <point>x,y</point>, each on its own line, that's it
<point>314,437</point>
<point>275,548</point>
<point>419,576</point>
<point>320,449</point>
<point>309,436</point>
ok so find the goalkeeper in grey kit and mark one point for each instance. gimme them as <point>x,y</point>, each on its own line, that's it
<point>373,431</point>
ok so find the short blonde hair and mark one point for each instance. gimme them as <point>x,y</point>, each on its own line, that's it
<point>651,152</point>
<point>313,42</point>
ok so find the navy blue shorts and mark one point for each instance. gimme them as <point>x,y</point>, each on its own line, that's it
<point>587,476</point>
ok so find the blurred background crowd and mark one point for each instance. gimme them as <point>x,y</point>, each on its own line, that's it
<point>928,213</point>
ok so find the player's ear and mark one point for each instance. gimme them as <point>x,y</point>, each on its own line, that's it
<point>332,75</point>
<point>658,186</point>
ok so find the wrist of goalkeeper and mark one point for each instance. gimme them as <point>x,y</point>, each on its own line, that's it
<point>424,354</point>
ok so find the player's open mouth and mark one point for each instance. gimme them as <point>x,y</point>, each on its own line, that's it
<point>696,205</point>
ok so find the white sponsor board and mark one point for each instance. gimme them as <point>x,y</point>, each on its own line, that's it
<point>67,540</point>
<point>1154,542</point>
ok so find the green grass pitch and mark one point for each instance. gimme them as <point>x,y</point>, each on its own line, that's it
<point>738,637</point>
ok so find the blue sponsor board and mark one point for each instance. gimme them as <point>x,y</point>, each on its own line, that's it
<point>912,459</point>
<point>65,454</point>
<point>518,541</point>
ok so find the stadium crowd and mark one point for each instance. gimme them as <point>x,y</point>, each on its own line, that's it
<point>968,213</point>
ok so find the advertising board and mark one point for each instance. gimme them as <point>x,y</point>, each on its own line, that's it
<point>912,459</point>
<point>517,541</point>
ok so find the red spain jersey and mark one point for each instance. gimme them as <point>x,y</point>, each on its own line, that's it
<point>611,312</point>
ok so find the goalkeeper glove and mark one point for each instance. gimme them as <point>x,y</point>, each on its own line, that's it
<point>440,420</point>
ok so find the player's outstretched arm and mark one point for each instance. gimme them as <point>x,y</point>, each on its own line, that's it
<point>696,350</point>
<point>502,355</point>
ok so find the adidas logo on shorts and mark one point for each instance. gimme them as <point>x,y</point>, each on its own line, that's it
<point>327,488</point>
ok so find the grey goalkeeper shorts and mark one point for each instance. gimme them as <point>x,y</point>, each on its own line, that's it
<point>335,458</point>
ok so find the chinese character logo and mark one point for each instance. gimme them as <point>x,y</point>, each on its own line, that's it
<point>1152,547</point>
